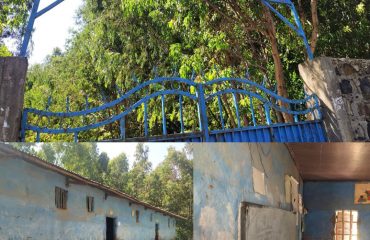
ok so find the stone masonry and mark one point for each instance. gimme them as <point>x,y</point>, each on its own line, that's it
<point>13,72</point>
<point>343,86</point>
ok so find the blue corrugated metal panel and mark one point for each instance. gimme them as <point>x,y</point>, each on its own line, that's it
<point>310,131</point>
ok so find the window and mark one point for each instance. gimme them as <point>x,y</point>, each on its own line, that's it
<point>346,225</point>
<point>174,223</point>
<point>169,222</point>
<point>137,216</point>
<point>90,204</point>
<point>151,217</point>
<point>61,198</point>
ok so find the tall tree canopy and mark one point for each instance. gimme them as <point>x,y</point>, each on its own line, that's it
<point>119,39</point>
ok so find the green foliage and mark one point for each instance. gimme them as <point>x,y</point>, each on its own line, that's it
<point>13,16</point>
<point>344,29</point>
<point>4,51</point>
<point>122,38</point>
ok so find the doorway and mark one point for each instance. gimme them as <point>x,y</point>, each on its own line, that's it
<point>156,231</point>
<point>110,229</point>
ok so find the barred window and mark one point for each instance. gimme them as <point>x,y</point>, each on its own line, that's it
<point>346,225</point>
<point>61,198</point>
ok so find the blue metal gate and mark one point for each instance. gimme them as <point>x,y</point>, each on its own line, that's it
<point>222,110</point>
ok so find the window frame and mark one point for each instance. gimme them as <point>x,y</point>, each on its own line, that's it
<point>90,204</point>
<point>342,222</point>
<point>61,198</point>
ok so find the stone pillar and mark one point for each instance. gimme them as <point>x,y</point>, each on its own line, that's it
<point>343,87</point>
<point>13,72</point>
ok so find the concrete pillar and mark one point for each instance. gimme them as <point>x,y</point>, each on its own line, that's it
<point>13,72</point>
<point>343,87</point>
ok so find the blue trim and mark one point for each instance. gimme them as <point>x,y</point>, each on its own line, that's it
<point>48,8</point>
<point>298,28</point>
<point>200,97</point>
<point>146,131</point>
<point>164,123</point>
<point>181,115</point>
<point>29,28</point>
<point>220,111</point>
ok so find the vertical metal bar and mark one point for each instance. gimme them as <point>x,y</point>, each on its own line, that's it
<point>24,125</point>
<point>181,115</point>
<point>301,31</point>
<point>146,132</point>
<point>122,127</point>
<point>76,137</point>
<point>236,109</point>
<point>164,127</point>
<point>296,120</point>
<point>317,107</point>
<point>268,114</point>
<point>220,110</point>
<point>31,22</point>
<point>252,110</point>
<point>86,102</point>
<point>202,110</point>
<point>298,28</point>
<point>67,104</point>
<point>37,136</point>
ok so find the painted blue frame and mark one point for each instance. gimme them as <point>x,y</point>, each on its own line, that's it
<point>297,27</point>
<point>203,95</point>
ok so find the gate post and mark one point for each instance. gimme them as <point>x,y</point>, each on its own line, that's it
<point>343,87</point>
<point>202,112</point>
<point>13,72</point>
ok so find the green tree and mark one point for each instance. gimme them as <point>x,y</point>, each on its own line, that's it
<point>140,170</point>
<point>173,179</point>
<point>118,169</point>
<point>13,17</point>
<point>220,38</point>
<point>47,152</point>
<point>103,161</point>
<point>25,147</point>
<point>82,158</point>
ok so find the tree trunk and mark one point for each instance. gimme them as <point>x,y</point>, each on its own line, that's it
<point>279,73</point>
<point>228,111</point>
<point>315,25</point>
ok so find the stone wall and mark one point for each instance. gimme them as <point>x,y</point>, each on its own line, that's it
<point>343,86</point>
<point>13,72</point>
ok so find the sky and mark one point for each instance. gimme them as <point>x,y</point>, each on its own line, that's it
<point>157,151</point>
<point>53,28</point>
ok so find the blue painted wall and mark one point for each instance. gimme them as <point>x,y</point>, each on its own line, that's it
<point>223,179</point>
<point>322,199</point>
<point>27,208</point>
